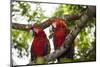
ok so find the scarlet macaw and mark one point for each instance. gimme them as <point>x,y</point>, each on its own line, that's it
<point>61,30</point>
<point>40,45</point>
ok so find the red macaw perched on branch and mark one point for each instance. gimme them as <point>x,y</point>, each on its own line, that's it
<point>61,30</point>
<point>40,45</point>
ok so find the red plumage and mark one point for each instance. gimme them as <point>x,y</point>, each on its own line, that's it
<point>40,43</point>
<point>60,32</point>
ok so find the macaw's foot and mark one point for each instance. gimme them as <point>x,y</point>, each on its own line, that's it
<point>64,60</point>
<point>40,60</point>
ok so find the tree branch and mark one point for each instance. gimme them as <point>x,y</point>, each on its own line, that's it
<point>44,24</point>
<point>89,13</point>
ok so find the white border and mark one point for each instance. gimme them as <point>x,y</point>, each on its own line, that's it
<point>84,2</point>
<point>5,35</point>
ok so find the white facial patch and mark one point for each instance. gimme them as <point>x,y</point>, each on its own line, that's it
<point>54,25</point>
<point>36,30</point>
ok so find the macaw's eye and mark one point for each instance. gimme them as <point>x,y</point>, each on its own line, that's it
<point>54,25</point>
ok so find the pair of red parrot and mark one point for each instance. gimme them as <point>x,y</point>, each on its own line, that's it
<point>41,46</point>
